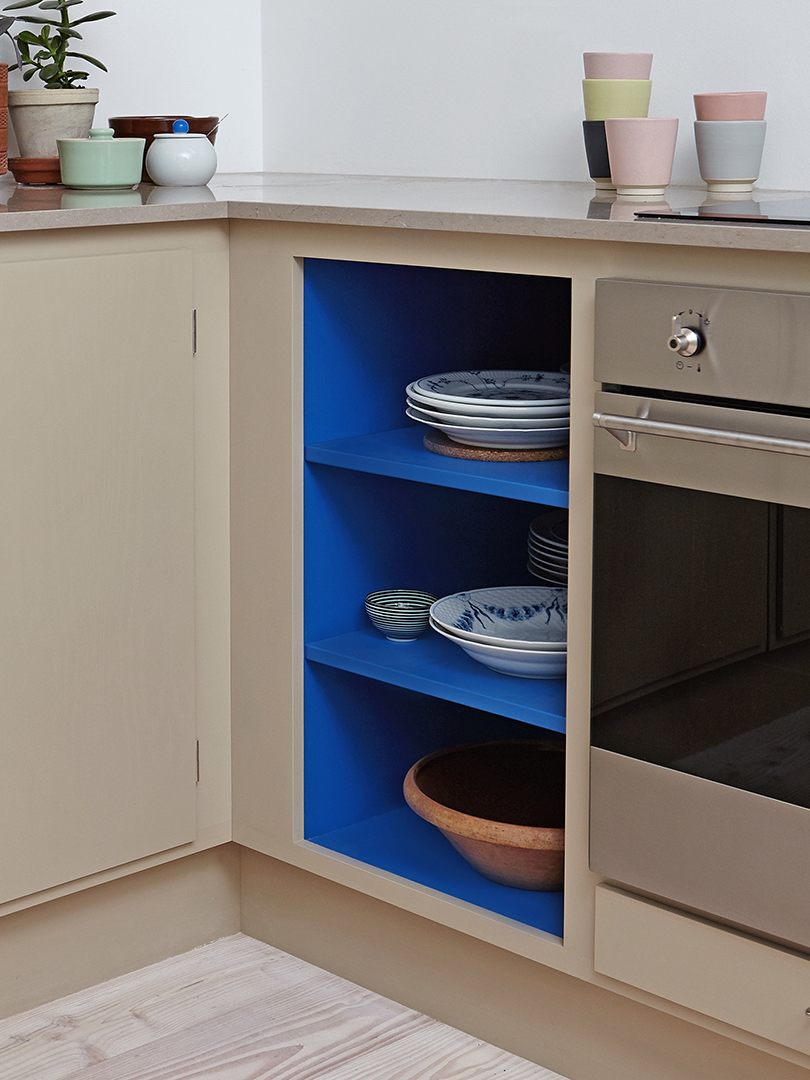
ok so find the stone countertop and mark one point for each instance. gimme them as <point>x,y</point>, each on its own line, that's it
<point>506,207</point>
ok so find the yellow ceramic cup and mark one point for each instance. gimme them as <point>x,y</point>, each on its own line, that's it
<point>616,98</point>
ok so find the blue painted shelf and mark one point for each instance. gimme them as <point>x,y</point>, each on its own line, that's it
<point>381,511</point>
<point>403,844</point>
<point>401,453</point>
<point>436,667</point>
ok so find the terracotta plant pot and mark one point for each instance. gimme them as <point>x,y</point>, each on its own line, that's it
<point>3,118</point>
<point>40,117</point>
<point>502,807</point>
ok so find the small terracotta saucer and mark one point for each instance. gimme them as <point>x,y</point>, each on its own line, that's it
<point>35,170</point>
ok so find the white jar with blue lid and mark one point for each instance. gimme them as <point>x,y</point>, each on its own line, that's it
<point>181,158</point>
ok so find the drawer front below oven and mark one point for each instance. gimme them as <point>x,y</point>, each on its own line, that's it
<point>717,972</point>
<point>734,855</point>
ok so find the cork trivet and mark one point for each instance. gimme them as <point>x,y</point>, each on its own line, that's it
<point>439,443</point>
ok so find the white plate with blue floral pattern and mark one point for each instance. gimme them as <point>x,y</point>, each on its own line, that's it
<point>520,616</point>
<point>442,419</point>
<point>499,438</point>
<point>531,397</point>
<point>523,663</point>
<point>495,387</point>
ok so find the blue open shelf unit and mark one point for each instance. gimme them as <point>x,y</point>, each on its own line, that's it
<point>381,511</point>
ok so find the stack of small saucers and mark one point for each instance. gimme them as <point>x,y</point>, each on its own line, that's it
<point>516,630</point>
<point>496,410</point>
<point>548,548</point>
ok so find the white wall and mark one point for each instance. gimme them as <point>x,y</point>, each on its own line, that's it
<point>198,57</point>
<point>491,88</point>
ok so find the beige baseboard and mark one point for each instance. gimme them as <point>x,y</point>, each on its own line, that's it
<point>580,1030</point>
<point>79,940</point>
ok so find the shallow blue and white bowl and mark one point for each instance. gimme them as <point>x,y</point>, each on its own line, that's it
<point>523,663</point>
<point>399,614</point>
<point>522,616</point>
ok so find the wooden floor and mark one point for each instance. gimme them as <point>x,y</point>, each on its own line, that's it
<point>241,1010</point>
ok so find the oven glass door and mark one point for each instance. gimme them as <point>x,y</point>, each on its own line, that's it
<point>700,729</point>
<point>701,635</point>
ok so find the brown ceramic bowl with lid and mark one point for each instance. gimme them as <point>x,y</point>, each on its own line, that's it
<point>146,127</point>
<point>501,805</point>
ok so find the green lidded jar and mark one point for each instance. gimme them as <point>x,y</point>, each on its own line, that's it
<point>101,162</point>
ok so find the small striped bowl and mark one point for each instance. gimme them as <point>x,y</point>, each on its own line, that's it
<point>399,614</point>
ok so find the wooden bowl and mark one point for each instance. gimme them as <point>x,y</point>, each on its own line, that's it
<point>501,805</point>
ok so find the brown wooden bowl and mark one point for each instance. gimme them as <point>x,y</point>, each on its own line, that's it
<point>146,127</point>
<point>501,805</point>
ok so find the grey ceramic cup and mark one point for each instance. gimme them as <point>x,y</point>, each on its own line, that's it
<point>730,152</point>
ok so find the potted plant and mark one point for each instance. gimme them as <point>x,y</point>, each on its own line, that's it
<point>62,109</point>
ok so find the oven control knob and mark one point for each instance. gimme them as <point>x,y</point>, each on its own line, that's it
<point>684,340</point>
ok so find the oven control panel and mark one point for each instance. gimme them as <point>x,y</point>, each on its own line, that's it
<point>745,344</point>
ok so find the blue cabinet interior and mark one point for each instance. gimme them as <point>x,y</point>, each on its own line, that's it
<point>383,512</point>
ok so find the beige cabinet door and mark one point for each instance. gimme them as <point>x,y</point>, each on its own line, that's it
<point>97,730</point>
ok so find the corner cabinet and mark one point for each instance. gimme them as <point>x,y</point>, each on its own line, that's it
<point>372,508</point>
<point>99,542</point>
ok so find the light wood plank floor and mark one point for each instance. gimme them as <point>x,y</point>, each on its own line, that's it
<point>240,1010</point>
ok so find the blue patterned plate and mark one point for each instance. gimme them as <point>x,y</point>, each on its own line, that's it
<point>496,387</point>
<point>521,616</point>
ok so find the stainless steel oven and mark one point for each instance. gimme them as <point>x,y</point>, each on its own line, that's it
<point>700,761</point>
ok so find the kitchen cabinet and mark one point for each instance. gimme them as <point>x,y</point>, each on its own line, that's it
<point>328,327</point>
<point>96,565</point>
<point>343,499</point>
<point>330,493</point>
<point>98,562</point>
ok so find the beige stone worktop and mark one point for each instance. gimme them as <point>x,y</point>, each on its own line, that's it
<point>507,207</point>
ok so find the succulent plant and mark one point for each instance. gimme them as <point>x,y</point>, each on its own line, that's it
<point>47,53</point>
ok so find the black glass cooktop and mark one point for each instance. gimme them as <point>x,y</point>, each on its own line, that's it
<point>766,212</point>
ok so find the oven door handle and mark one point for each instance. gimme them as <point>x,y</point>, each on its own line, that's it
<point>626,428</point>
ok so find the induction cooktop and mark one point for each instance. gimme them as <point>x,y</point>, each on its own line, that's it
<point>767,212</point>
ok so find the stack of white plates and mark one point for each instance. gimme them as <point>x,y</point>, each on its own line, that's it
<point>517,630</point>
<point>502,410</point>
<point>548,548</point>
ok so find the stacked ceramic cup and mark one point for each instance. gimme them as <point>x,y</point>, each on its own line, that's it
<point>730,134</point>
<point>615,85</point>
<point>638,149</point>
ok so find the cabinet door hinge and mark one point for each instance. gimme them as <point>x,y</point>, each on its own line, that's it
<point>194,332</point>
<point>198,761</point>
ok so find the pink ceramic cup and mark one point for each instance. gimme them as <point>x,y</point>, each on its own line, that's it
<point>745,105</point>
<point>641,152</point>
<point>617,65</point>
